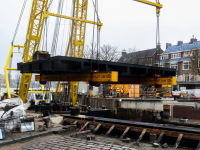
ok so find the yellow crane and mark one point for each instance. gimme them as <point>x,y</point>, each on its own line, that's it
<point>38,15</point>
<point>158,7</point>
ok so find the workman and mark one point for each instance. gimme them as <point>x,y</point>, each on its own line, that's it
<point>122,92</point>
<point>114,93</point>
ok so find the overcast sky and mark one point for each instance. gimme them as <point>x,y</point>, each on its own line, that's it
<point>127,24</point>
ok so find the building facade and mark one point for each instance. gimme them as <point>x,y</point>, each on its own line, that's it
<point>144,57</point>
<point>185,58</point>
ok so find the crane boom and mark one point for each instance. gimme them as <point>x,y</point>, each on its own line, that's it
<point>157,4</point>
<point>77,41</point>
<point>36,22</point>
<point>33,37</point>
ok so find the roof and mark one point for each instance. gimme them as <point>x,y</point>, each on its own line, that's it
<point>182,47</point>
<point>131,57</point>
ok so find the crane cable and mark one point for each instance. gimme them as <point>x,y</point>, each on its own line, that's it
<point>158,36</point>
<point>69,38</point>
<point>19,20</point>
<point>56,29</point>
<point>49,4</point>
<point>63,30</point>
<point>93,35</point>
<point>98,36</point>
<point>47,27</point>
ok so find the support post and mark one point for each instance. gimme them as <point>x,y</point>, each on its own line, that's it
<point>97,128</point>
<point>141,136</point>
<point>122,136</point>
<point>177,141</point>
<point>113,126</point>
<point>160,137</point>
<point>198,146</point>
<point>84,126</point>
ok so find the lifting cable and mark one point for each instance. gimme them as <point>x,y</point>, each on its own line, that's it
<point>158,36</point>
<point>63,30</point>
<point>93,35</point>
<point>19,20</point>
<point>49,4</point>
<point>56,29</point>
<point>98,37</point>
<point>70,32</point>
<point>47,27</point>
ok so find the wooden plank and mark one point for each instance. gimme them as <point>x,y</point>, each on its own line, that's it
<point>178,141</point>
<point>160,137</point>
<point>84,126</point>
<point>75,122</point>
<point>198,146</point>
<point>122,136</point>
<point>97,127</point>
<point>141,135</point>
<point>113,126</point>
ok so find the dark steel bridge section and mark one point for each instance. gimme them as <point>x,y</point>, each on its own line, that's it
<point>62,65</point>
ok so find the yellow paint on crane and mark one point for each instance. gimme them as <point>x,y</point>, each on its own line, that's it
<point>94,77</point>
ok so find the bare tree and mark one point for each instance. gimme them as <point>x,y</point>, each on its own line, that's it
<point>107,52</point>
<point>194,58</point>
<point>89,52</point>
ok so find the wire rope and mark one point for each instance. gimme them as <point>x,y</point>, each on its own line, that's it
<point>49,5</point>
<point>63,30</point>
<point>56,29</point>
<point>19,20</point>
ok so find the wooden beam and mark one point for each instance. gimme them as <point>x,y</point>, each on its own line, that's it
<point>178,141</point>
<point>113,126</point>
<point>84,126</point>
<point>141,135</point>
<point>97,127</point>
<point>198,146</point>
<point>122,136</point>
<point>160,137</point>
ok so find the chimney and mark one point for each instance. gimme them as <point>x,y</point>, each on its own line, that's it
<point>123,52</point>
<point>168,45</point>
<point>179,43</point>
<point>192,40</point>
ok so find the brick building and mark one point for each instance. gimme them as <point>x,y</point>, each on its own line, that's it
<point>144,57</point>
<point>185,58</point>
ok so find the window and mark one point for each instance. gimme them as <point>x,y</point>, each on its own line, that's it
<point>174,66</point>
<point>188,52</point>
<point>176,55</point>
<point>186,65</point>
<point>162,57</point>
<point>186,76</point>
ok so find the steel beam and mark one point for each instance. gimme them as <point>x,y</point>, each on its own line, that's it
<point>144,80</point>
<point>63,65</point>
